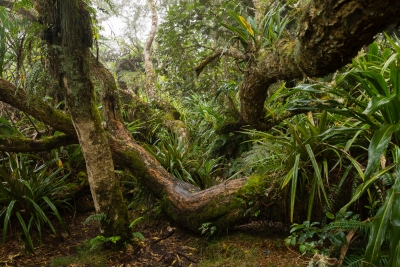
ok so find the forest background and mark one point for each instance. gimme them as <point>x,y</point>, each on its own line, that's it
<point>228,111</point>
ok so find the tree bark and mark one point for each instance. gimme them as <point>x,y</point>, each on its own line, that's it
<point>19,144</point>
<point>69,37</point>
<point>151,77</point>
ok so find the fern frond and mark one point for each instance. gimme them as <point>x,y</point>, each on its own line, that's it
<point>333,196</point>
<point>353,260</point>
<point>363,227</point>
<point>98,217</point>
<point>33,76</point>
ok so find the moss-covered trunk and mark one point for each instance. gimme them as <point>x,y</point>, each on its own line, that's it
<point>69,35</point>
<point>330,34</point>
<point>222,205</point>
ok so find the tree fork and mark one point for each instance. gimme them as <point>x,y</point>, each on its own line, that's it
<point>70,36</point>
<point>184,203</point>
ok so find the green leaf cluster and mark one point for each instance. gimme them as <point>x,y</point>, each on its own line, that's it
<point>30,197</point>
<point>253,34</point>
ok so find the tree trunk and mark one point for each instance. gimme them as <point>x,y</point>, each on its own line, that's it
<point>70,37</point>
<point>151,77</point>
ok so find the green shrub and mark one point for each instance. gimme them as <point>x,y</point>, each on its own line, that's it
<point>30,197</point>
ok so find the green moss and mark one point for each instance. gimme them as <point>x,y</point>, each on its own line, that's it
<point>255,185</point>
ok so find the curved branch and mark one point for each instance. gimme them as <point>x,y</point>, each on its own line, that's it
<point>183,202</point>
<point>331,33</point>
<point>37,108</point>
<point>231,52</point>
<point>18,144</point>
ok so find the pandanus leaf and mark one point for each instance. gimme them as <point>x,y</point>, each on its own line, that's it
<point>378,231</point>
<point>377,103</point>
<point>378,145</point>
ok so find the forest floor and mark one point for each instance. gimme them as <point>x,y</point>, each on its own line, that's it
<point>164,245</point>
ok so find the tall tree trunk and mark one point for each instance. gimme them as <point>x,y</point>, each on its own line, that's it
<point>151,77</point>
<point>70,37</point>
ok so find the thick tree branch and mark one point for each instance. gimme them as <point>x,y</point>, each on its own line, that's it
<point>231,52</point>
<point>18,144</point>
<point>35,107</point>
<point>185,203</point>
<point>331,34</point>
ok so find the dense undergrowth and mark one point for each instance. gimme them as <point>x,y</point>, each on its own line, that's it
<point>333,165</point>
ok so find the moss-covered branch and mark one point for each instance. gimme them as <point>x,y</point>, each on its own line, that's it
<point>186,204</point>
<point>330,34</point>
<point>19,144</point>
<point>36,107</point>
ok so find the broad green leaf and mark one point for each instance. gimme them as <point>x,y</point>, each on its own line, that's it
<point>357,166</point>
<point>376,80</point>
<point>10,208</point>
<point>26,231</point>
<point>378,231</point>
<point>330,215</point>
<point>311,197</point>
<point>288,178</point>
<point>377,103</point>
<point>55,211</point>
<point>293,189</point>
<point>373,52</point>
<point>351,141</point>
<point>371,90</point>
<point>317,173</point>
<point>364,186</point>
<point>378,145</point>
<point>41,214</point>
<point>241,34</point>
<point>395,78</point>
<point>394,45</point>
<point>389,61</point>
